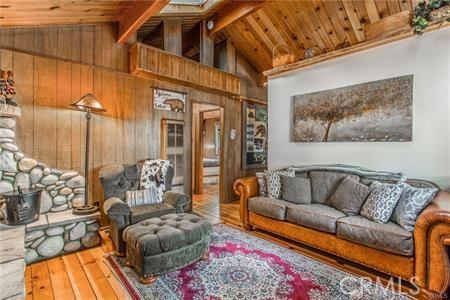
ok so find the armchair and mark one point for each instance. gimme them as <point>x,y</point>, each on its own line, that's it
<point>116,180</point>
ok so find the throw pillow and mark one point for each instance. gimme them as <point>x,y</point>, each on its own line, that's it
<point>274,182</point>
<point>142,197</point>
<point>296,189</point>
<point>324,184</point>
<point>412,202</point>
<point>381,202</point>
<point>262,183</point>
<point>350,196</point>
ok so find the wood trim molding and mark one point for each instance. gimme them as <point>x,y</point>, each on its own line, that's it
<point>136,16</point>
<point>349,50</point>
<point>242,99</point>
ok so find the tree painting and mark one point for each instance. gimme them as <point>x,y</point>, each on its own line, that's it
<point>374,111</point>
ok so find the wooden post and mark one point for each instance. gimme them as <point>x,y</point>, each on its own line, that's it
<point>206,45</point>
<point>172,36</point>
<point>231,58</point>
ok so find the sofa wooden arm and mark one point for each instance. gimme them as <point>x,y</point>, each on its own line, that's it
<point>431,231</point>
<point>245,188</point>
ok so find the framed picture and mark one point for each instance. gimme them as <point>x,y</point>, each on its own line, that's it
<point>169,100</point>
<point>254,137</point>
<point>377,111</point>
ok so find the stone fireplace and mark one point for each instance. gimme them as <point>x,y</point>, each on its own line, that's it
<point>61,190</point>
<point>58,230</point>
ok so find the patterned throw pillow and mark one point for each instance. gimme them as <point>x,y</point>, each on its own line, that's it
<point>153,175</point>
<point>412,202</point>
<point>381,202</point>
<point>262,183</point>
<point>142,197</point>
<point>274,182</point>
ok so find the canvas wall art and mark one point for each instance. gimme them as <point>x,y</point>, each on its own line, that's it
<point>169,100</point>
<point>374,111</point>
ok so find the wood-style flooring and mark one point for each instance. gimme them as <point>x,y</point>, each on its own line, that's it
<point>86,275</point>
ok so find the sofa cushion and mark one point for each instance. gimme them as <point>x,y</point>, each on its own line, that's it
<point>349,196</point>
<point>316,216</point>
<point>388,237</point>
<point>296,189</point>
<point>268,207</point>
<point>324,184</point>
<point>412,202</point>
<point>144,212</point>
<point>262,183</point>
<point>274,182</point>
<point>381,202</point>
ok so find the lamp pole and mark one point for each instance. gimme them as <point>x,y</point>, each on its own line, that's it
<point>88,104</point>
<point>86,160</point>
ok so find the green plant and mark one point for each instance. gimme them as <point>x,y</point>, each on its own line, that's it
<point>421,18</point>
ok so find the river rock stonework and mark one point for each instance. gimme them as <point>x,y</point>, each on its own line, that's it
<point>16,169</point>
<point>58,240</point>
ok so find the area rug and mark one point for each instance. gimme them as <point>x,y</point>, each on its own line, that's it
<point>242,266</point>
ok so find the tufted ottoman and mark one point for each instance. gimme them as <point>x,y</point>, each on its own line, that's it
<point>170,242</point>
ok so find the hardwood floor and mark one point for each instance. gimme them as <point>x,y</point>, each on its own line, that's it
<point>207,205</point>
<point>86,275</point>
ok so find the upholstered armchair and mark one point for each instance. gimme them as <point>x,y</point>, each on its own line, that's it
<point>116,181</point>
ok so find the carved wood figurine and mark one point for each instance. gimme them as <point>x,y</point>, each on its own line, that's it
<point>7,88</point>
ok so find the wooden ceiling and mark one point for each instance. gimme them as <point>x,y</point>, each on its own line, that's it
<point>322,25</point>
<point>48,12</point>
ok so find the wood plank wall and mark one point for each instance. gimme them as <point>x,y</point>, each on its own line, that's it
<point>89,44</point>
<point>48,79</point>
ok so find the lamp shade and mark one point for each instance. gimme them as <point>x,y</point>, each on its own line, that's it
<point>88,103</point>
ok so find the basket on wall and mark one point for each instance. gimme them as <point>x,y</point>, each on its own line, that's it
<point>282,55</point>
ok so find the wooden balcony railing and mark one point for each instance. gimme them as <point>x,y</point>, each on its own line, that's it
<point>147,61</point>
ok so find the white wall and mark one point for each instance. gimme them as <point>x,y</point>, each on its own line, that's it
<point>426,157</point>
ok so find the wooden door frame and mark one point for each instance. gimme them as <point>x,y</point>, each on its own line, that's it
<point>197,167</point>
<point>163,141</point>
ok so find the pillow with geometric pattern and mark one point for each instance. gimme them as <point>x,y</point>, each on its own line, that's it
<point>412,202</point>
<point>381,202</point>
<point>274,182</point>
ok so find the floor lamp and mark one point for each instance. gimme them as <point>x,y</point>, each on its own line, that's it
<point>89,104</point>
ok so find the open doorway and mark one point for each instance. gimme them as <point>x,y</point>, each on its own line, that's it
<point>207,155</point>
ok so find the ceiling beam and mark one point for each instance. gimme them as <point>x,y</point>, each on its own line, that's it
<point>136,16</point>
<point>233,12</point>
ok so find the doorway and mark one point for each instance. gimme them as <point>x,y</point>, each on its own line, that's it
<point>207,156</point>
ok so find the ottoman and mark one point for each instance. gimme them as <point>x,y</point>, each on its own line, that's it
<point>167,243</point>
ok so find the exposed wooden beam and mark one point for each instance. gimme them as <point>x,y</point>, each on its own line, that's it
<point>136,16</point>
<point>233,12</point>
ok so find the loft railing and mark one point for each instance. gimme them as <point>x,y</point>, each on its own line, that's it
<point>147,61</point>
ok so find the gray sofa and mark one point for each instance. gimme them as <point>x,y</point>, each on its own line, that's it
<point>116,180</point>
<point>420,252</point>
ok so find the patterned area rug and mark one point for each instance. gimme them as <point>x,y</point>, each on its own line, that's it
<point>242,266</point>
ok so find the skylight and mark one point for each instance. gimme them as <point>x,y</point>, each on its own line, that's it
<point>188,2</point>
